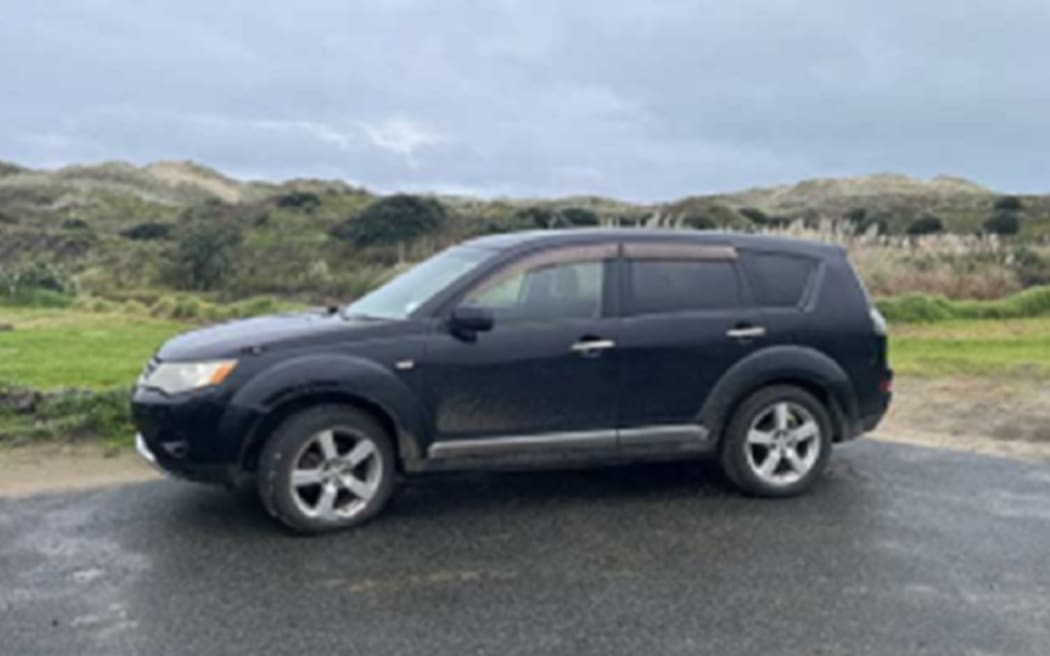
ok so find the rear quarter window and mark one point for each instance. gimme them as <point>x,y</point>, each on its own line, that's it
<point>780,280</point>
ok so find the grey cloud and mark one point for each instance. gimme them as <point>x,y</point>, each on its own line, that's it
<point>640,100</point>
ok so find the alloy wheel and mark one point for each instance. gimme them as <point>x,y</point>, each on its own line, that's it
<point>783,443</point>
<point>335,474</point>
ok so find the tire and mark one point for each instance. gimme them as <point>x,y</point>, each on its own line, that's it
<point>326,468</point>
<point>766,455</point>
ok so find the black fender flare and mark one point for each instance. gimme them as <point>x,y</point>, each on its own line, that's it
<point>782,364</point>
<point>334,376</point>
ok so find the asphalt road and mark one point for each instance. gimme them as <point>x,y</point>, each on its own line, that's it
<point>901,550</point>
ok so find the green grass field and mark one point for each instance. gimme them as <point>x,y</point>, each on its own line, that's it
<point>1008,347</point>
<point>103,353</point>
<point>56,348</point>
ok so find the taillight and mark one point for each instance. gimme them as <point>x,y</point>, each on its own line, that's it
<point>886,385</point>
<point>878,321</point>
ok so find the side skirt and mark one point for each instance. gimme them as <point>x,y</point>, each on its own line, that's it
<point>552,450</point>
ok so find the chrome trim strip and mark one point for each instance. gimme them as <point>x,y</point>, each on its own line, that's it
<point>522,443</point>
<point>688,434</point>
<point>755,331</point>
<point>663,435</point>
<point>593,345</point>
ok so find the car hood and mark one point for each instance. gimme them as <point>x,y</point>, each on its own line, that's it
<point>236,337</point>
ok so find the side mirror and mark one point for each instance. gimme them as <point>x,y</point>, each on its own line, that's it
<point>467,320</point>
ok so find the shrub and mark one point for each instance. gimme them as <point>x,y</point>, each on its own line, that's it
<point>38,284</point>
<point>299,200</point>
<point>578,217</point>
<point>163,307</point>
<point>148,231</point>
<point>532,217</point>
<point>698,222</point>
<point>911,308</point>
<point>1032,268</point>
<point>755,215</point>
<point>136,308</point>
<point>75,224</point>
<point>1002,223</point>
<point>392,220</point>
<point>1007,204</point>
<point>203,255</point>
<point>925,225</point>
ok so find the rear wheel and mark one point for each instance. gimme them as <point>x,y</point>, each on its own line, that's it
<point>326,468</point>
<point>777,442</point>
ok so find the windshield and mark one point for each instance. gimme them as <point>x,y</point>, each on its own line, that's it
<point>399,297</point>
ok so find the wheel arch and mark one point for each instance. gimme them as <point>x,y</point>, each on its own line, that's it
<point>287,388</point>
<point>800,366</point>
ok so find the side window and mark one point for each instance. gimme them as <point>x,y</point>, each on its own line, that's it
<point>569,290</point>
<point>780,280</point>
<point>659,286</point>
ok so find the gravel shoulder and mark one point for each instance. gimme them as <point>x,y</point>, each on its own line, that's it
<point>1001,417</point>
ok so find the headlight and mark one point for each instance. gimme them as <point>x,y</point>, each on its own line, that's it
<point>175,377</point>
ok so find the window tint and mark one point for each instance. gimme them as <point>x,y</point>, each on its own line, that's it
<point>781,280</point>
<point>658,286</point>
<point>560,291</point>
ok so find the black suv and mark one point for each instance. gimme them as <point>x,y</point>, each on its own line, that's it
<point>531,349</point>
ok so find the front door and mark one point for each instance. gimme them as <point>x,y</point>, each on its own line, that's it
<point>545,375</point>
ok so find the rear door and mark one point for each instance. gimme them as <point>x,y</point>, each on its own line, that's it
<point>687,317</point>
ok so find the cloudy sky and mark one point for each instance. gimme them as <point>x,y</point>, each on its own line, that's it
<point>641,100</point>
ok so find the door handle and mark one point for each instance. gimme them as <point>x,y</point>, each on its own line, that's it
<point>746,332</point>
<point>589,345</point>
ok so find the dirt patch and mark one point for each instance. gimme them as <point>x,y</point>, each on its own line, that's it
<point>1009,417</point>
<point>40,468</point>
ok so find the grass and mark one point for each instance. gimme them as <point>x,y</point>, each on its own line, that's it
<point>101,353</point>
<point>53,348</point>
<point>1009,347</point>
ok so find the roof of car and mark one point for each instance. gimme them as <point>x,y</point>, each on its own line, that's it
<point>538,238</point>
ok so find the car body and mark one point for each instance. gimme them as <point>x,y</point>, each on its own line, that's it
<point>542,348</point>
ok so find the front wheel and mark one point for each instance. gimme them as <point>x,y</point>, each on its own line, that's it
<point>326,468</point>
<point>777,442</point>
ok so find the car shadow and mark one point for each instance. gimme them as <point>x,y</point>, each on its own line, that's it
<point>470,496</point>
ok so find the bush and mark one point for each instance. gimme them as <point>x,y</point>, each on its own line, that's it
<point>578,217</point>
<point>755,215</point>
<point>1003,223</point>
<point>1032,268</point>
<point>75,224</point>
<point>1007,204</point>
<point>38,285</point>
<point>926,225</point>
<point>698,222</point>
<point>203,255</point>
<point>395,219</point>
<point>912,308</point>
<point>148,231</point>
<point>163,307</point>
<point>299,200</point>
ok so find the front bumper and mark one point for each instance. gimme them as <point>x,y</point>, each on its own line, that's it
<point>197,437</point>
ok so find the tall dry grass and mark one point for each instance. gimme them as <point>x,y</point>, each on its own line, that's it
<point>955,266</point>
